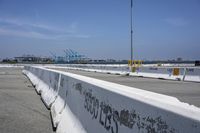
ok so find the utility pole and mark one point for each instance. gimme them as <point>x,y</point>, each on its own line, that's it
<point>131,32</point>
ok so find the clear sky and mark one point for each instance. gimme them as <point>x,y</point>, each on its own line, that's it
<point>100,29</point>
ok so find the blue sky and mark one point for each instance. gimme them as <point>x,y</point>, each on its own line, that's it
<point>100,29</point>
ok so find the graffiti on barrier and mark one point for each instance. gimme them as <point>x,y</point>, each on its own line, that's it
<point>112,119</point>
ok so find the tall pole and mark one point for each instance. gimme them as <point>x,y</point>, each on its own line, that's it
<point>131,32</point>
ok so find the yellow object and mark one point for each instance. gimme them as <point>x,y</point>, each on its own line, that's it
<point>176,71</point>
<point>129,63</point>
<point>134,64</point>
<point>133,69</point>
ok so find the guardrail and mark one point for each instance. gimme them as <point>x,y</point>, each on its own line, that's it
<point>81,104</point>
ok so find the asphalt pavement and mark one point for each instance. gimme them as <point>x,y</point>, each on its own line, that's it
<point>21,110</point>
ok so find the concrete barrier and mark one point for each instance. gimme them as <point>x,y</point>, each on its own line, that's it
<point>110,69</point>
<point>60,102</point>
<point>94,105</point>
<point>46,83</point>
<point>30,72</point>
<point>192,74</point>
<point>40,83</point>
<point>89,105</point>
<point>171,73</point>
<point>49,93</point>
<point>41,79</point>
<point>11,65</point>
<point>160,72</point>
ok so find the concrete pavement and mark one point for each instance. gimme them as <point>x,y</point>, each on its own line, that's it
<point>21,110</point>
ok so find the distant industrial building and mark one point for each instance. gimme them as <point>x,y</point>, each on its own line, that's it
<point>32,59</point>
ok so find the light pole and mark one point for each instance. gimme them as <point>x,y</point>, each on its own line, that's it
<point>131,33</point>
